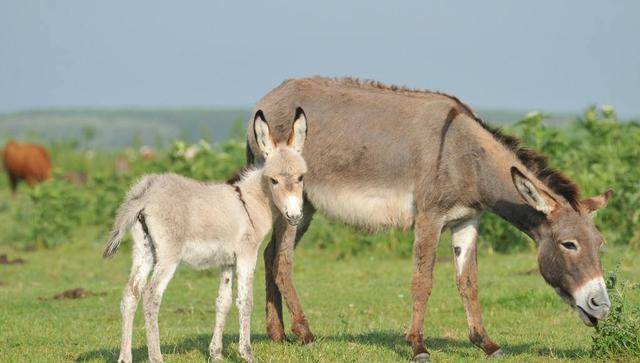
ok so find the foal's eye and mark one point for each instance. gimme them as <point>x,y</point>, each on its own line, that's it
<point>569,245</point>
<point>300,178</point>
<point>273,181</point>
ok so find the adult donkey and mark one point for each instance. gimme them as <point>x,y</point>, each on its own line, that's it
<point>382,156</point>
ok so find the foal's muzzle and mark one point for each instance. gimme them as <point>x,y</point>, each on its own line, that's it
<point>293,219</point>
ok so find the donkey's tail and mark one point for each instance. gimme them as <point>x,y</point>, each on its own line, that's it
<point>128,214</point>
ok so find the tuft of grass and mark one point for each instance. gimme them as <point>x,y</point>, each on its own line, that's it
<point>618,336</point>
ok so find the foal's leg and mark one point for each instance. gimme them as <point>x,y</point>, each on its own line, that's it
<point>142,264</point>
<point>223,304</point>
<point>465,249</point>
<point>427,233</point>
<point>162,273</point>
<point>245,268</point>
<point>279,278</point>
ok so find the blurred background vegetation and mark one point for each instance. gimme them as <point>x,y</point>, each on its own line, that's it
<point>104,147</point>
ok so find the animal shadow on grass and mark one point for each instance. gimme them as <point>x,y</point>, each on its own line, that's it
<point>383,339</point>
<point>564,353</point>
<point>395,341</point>
<point>199,343</point>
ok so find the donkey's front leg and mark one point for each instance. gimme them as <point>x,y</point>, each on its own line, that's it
<point>245,269</point>
<point>283,275</point>
<point>427,233</point>
<point>162,274</point>
<point>465,249</point>
<point>223,304</point>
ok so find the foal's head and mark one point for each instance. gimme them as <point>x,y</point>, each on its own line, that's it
<point>568,245</point>
<point>284,167</point>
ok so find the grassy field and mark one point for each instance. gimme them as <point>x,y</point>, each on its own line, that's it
<point>358,306</point>
<point>354,287</point>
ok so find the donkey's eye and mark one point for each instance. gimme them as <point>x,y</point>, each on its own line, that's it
<point>569,245</point>
<point>273,181</point>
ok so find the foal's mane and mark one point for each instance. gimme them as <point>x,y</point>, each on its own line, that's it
<point>537,163</point>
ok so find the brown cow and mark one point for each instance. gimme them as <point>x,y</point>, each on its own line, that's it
<point>25,161</point>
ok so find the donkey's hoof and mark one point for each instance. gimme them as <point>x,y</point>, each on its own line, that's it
<point>215,357</point>
<point>303,332</point>
<point>307,338</point>
<point>496,354</point>
<point>248,357</point>
<point>421,358</point>
<point>277,336</point>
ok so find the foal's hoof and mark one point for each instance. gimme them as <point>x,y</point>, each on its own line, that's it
<point>215,358</point>
<point>247,357</point>
<point>421,358</point>
<point>246,354</point>
<point>496,354</point>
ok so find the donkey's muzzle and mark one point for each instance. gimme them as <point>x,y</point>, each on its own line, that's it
<point>592,301</point>
<point>293,219</point>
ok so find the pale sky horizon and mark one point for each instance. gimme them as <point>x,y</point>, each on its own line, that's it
<point>548,55</point>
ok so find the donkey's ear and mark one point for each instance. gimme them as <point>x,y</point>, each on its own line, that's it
<point>263,134</point>
<point>593,204</point>
<point>537,199</point>
<point>299,131</point>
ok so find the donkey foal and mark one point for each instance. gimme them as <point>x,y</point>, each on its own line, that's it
<point>175,219</point>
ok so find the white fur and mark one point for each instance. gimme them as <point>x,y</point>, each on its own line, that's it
<point>299,133</point>
<point>371,208</point>
<point>464,237</point>
<point>294,206</point>
<point>457,213</point>
<point>594,287</point>
<point>207,254</point>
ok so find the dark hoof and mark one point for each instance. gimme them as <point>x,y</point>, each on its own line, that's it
<point>307,338</point>
<point>277,335</point>
<point>496,354</point>
<point>421,358</point>
<point>303,333</point>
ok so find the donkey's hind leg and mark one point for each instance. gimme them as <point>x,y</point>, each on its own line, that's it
<point>141,266</point>
<point>162,273</point>
<point>223,305</point>
<point>464,235</point>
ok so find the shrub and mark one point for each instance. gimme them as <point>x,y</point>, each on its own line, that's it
<point>596,150</point>
<point>618,336</point>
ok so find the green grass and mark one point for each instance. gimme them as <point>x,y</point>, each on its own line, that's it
<point>358,308</point>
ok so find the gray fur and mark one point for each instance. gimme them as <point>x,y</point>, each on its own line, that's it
<point>384,156</point>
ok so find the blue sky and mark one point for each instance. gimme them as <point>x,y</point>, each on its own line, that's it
<point>546,55</point>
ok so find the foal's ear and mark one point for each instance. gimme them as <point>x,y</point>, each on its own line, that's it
<point>299,131</point>
<point>537,199</point>
<point>263,134</point>
<point>593,204</point>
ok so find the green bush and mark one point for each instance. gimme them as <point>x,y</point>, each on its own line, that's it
<point>596,150</point>
<point>618,337</point>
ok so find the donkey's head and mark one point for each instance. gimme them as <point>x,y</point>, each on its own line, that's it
<point>284,167</point>
<point>568,245</point>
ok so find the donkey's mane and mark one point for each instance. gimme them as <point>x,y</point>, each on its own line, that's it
<point>537,163</point>
<point>240,175</point>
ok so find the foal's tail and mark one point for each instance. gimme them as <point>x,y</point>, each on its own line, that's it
<point>128,214</point>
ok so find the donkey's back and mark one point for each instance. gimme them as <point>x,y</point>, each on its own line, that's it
<point>374,150</point>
